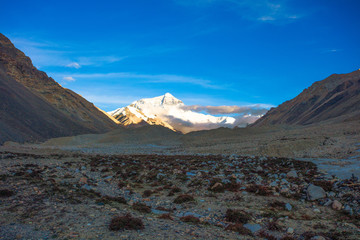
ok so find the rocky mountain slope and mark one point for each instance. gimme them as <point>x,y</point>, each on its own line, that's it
<point>170,112</point>
<point>334,99</point>
<point>35,107</point>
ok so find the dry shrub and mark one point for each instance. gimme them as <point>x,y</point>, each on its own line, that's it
<point>147,193</point>
<point>238,227</point>
<point>141,207</point>
<point>190,219</point>
<point>184,198</point>
<point>166,216</point>
<point>109,199</point>
<point>237,216</point>
<point>6,193</point>
<point>126,222</point>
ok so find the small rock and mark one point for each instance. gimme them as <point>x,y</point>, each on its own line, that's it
<point>315,192</point>
<point>259,169</point>
<point>83,180</point>
<point>318,238</point>
<point>290,230</point>
<point>316,210</point>
<point>331,194</point>
<point>327,203</point>
<point>348,210</point>
<point>284,181</point>
<point>273,184</point>
<point>87,187</point>
<point>336,205</point>
<point>288,206</point>
<point>292,174</point>
<point>253,227</point>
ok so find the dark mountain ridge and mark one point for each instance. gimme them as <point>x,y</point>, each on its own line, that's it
<point>34,107</point>
<point>334,99</point>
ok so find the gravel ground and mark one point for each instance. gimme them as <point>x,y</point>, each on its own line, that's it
<point>75,196</point>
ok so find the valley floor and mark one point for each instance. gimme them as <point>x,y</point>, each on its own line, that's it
<point>66,195</point>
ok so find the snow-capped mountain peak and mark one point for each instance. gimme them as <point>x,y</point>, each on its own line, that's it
<point>165,100</point>
<point>168,111</point>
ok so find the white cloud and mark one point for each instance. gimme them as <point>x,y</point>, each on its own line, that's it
<point>69,79</point>
<point>150,78</point>
<point>98,60</point>
<point>266,18</point>
<point>73,65</point>
<point>255,109</point>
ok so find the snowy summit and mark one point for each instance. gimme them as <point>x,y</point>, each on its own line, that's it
<point>167,110</point>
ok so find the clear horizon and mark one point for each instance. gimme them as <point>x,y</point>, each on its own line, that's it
<point>204,52</point>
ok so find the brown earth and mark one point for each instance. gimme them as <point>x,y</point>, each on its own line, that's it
<point>337,141</point>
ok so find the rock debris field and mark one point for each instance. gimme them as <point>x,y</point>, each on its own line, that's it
<point>75,196</point>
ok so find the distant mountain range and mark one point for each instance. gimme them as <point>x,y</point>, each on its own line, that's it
<point>334,99</point>
<point>33,107</point>
<point>170,112</point>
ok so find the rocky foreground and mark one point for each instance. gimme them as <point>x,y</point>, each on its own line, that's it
<point>73,196</point>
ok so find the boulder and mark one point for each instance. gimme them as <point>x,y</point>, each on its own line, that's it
<point>315,192</point>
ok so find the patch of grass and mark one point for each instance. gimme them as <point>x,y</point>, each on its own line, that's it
<point>126,222</point>
<point>184,198</point>
<point>141,207</point>
<point>237,216</point>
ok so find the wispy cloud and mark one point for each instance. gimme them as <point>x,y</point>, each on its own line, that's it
<point>334,50</point>
<point>44,54</point>
<point>98,60</point>
<point>255,109</point>
<point>259,10</point>
<point>149,78</point>
<point>73,65</point>
<point>69,79</point>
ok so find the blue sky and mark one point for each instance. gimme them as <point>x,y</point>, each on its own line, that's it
<point>206,52</point>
